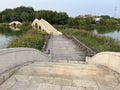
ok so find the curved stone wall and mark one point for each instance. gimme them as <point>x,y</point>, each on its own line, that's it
<point>109,59</point>
<point>10,58</point>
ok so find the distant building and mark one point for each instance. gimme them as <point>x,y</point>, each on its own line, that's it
<point>84,16</point>
<point>97,18</point>
<point>87,15</point>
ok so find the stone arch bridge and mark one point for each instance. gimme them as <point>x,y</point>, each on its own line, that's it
<point>44,25</point>
<point>66,66</point>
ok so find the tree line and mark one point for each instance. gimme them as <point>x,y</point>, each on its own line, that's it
<point>28,14</point>
<point>90,22</point>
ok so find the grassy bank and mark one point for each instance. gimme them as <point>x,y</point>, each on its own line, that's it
<point>97,43</point>
<point>30,39</point>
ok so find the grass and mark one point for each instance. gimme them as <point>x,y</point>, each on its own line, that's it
<point>96,43</point>
<point>30,39</point>
<point>27,37</point>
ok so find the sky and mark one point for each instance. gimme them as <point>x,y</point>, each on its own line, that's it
<point>72,7</point>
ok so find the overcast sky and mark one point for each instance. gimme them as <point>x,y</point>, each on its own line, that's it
<point>72,7</point>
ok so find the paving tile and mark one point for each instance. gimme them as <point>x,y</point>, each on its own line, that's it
<point>69,88</point>
<point>81,88</point>
<point>45,86</point>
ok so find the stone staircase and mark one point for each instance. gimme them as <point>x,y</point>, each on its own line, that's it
<point>61,76</point>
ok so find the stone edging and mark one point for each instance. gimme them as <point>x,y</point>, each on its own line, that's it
<point>89,52</point>
<point>46,42</point>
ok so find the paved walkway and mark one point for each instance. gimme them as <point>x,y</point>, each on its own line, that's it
<point>62,76</point>
<point>62,48</point>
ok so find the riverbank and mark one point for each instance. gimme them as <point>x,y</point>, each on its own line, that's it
<point>96,43</point>
<point>7,35</point>
<point>30,39</point>
<point>26,37</point>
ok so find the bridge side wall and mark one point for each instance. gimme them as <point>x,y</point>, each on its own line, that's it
<point>10,58</point>
<point>89,52</point>
<point>109,59</point>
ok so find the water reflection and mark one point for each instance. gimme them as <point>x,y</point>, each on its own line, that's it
<point>113,34</point>
<point>5,40</point>
<point>7,35</point>
<point>9,32</point>
<point>14,28</point>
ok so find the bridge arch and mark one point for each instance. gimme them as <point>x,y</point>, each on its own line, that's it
<point>39,27</point>
<point>36,25</point>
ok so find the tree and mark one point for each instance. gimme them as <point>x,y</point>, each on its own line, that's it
<point>24,16</point>
<point>5,18</point>
<point>105,16</point>
<point>108,22</point>
<point>61,18</point>
<point>73,21</point>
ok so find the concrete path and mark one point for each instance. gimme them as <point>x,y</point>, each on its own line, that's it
<point>62,76</point>
<point>62,48</point>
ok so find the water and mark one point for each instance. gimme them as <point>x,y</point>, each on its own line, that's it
<point>5,40</point>
<point>7,36</point>
<point>113,34</point>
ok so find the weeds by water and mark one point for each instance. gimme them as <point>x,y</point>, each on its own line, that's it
<point>31,39</point>
<point>97,43</point>
<point>26,37</point>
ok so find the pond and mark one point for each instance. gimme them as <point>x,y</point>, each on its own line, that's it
<point>115,34</point>
<point>5,40</point>
<point>7,35</point>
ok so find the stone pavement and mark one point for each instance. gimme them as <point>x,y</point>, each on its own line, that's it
<point>62,76</point>
<point>62,48</point>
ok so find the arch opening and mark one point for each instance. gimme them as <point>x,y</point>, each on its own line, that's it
<point>36,25</point>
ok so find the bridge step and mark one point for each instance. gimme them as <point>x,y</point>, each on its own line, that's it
<point>61,76</point>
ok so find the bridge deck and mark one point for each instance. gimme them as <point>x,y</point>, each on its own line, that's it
<point>62,48</point>
<point>62,76</point>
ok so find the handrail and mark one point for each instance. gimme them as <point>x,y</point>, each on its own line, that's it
<point>89,52</point>
<point>12,57</point>
<point>46,42</point>
<point>108,59</point>
<point>20,49</point>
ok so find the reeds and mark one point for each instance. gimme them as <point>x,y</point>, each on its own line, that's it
<point>95,42</point>
<point>30,39</point>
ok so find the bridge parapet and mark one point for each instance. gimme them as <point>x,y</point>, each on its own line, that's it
<point>89,52</point>
<point>46,42</point>
<point>108,59</point>
<point>10,58</point>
